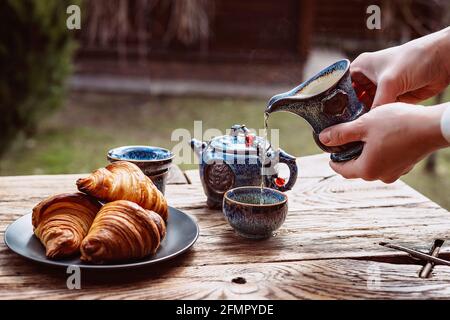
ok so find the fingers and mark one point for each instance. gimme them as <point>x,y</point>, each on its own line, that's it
<point>365,95</point>
<point>419,94</point>
<point>363,64</point>
<point>343,133</point>
<point>408,169</point>
<point>387,91</point>
<point>349,169</point>
<point>364,89</point>
<point>395,176</point>
<point>358,168</point>
<point>359,76</point>
<point>381,85</point>
<point>389,180</point>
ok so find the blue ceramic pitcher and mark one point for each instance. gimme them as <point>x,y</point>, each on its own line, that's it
<point>326,99</point>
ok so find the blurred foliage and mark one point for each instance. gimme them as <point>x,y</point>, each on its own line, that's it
<point>35,54</point>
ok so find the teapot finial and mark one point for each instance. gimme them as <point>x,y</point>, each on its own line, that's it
<point>235,129</point>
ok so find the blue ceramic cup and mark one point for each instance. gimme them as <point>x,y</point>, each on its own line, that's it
<point>153,161</point>
<point>249,216</point>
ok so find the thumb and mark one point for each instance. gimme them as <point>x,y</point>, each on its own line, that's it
<point>343,133</point>
<point>387,92</point>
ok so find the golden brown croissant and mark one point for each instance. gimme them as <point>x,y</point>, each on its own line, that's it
<point>62,221</point>
<point>160,224</point>
<point>122,230</point>
<point>123,180</point>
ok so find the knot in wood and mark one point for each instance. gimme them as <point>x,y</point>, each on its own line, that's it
<point>239,280</point>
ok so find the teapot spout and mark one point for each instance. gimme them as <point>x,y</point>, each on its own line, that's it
<point>198,147</point>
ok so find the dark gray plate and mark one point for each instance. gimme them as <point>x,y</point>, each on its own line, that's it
<point>182,232</point>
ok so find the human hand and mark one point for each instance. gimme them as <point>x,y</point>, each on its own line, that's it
<point>396,136</point>
<point>408,73</point>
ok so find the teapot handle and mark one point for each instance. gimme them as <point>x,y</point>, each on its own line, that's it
<point>290,161</point>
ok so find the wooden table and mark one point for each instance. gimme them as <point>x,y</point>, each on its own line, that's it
<point>327,248</point>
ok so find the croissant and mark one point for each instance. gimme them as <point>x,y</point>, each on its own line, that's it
<point>160,224</point>
<point>122,230</point>
<point>123,180</point>
<point>62,221</point>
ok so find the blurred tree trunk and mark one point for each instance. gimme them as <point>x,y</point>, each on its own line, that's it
<point>35,60</point>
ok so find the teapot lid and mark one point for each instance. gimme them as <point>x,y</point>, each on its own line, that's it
<point>240,141</point>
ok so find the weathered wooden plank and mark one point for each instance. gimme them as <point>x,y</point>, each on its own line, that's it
<point>337,234</point>
<point>329,218</point>
<point>322,193</point>
<point>321,279</point>
<point>312,234</point>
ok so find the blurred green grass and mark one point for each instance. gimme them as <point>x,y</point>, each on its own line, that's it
<point>77,137</point>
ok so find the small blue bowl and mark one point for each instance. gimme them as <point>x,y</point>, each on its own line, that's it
<point>160,180</point>
<point>249,217</point>
<point>154,162</point>
<point>151,160</point>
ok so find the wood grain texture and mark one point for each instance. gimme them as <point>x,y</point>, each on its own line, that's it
<point>327,247</point>
<point>319,279</point>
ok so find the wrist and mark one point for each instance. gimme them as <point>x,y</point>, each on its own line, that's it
<point>443,47</point>
<point>434,131</point>
<point>434,46</point>
<point>445,122</point>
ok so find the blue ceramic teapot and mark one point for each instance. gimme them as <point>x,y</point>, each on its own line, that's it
<point>235,160</point>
